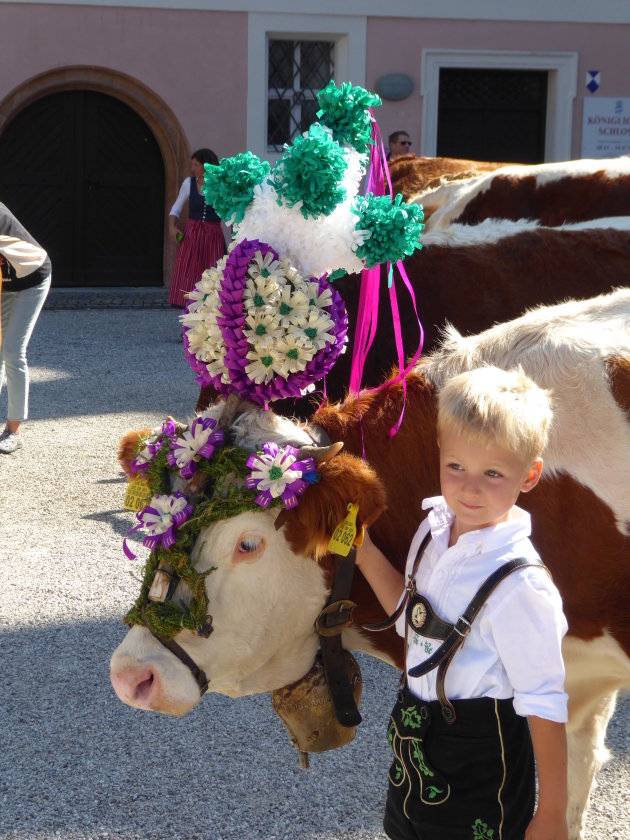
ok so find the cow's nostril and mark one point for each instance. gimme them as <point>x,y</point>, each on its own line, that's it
<point>143,689</point>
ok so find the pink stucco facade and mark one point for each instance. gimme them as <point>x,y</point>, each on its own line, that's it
<point>198,77</point>
<point>195,61</point>
<point>395,45</point>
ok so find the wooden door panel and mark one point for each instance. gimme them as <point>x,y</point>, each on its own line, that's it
<point>85,175</point>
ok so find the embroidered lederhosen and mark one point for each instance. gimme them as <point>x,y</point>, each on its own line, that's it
<point>489,729</point>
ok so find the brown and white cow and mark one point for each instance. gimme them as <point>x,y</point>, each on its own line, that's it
<point>552,193</point>
<point>418,178</point>
<point>581,511</point>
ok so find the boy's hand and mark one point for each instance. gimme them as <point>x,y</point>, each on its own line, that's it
<point>548,826</point>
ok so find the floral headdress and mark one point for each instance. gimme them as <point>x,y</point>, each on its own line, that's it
<point>217,482</point>
<point>266,322</point>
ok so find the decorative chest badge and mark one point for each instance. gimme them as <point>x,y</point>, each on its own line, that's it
<point>418,615</point>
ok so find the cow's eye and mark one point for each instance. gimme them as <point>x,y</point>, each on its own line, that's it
<point>249,544</point>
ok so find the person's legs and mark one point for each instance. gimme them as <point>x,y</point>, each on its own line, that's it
<point>20,311</point>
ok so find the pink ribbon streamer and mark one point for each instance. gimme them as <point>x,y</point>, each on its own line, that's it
<point>367,315</point>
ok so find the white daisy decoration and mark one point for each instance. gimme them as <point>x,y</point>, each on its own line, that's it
<point>318,329</point>
<point>261,366</point>
<point>294,352</point>
<point>293,307</point>
<point>263,266</point>
<point>261,293</point>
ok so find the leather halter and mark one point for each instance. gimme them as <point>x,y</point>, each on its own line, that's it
<point>333,619</point>
<point>177,650</point>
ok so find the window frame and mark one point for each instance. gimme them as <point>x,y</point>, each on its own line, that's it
<point>349,35</point>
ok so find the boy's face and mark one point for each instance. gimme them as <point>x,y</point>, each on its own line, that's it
<point>481,481</point>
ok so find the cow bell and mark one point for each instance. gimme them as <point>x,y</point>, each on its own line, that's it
<point>306,709</point>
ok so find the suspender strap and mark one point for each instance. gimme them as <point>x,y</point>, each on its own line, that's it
<point>410,591</point>
<point>443,656</point>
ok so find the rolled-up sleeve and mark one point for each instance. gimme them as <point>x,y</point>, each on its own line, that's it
<point>527,625</point>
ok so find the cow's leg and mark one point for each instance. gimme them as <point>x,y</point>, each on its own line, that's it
<point>595,671</point>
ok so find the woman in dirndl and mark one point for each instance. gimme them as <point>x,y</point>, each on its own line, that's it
<point>201,244</point>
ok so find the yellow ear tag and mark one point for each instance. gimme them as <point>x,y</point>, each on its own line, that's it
<point>138,494</point>
<point>345,533</point>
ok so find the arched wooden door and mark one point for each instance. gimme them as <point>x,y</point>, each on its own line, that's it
<point>84,174</point>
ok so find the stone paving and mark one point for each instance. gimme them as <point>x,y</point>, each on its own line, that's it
<point>109,297</point>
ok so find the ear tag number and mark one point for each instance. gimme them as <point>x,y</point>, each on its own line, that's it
<point>345,533</point>
<point>138,494</point>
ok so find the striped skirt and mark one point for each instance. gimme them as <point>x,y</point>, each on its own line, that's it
<point>203,245</point>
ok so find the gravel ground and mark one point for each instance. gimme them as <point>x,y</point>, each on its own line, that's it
<point>75,763</point>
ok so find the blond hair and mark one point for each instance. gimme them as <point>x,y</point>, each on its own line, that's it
<point>489,403</point>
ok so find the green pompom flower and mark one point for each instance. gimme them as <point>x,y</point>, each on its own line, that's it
<point>394,228</point>
<point>229,187</point>
<point>310,173</point>
<point>345,111</point>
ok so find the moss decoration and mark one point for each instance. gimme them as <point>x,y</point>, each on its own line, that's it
<point>345,111</point>
<point>224,495</point>
<point>310,173</point>
<point>394,228</point>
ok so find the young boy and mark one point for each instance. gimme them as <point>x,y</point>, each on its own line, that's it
<point>463,762</point>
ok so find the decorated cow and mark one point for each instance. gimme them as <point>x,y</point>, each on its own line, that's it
<point>238,545</point>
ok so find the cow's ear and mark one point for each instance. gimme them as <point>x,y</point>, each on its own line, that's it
<point>343,479</point>
<point>127,449</point>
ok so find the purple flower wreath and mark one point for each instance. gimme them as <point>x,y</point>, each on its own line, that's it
<point>274,372</point>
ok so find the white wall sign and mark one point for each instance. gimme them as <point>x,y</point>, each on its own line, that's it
<point>606,127</point>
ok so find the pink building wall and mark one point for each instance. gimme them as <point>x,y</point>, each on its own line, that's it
<point>196,61</point>
<point>396,45</point>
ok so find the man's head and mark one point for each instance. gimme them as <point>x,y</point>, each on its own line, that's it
<point>399,143</point>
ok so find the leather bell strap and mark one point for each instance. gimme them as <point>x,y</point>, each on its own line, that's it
<point>410,590</point>
<point>333,619</point>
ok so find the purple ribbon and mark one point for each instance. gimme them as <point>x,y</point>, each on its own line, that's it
<point>276,468</point>
<point>165,538</point>
<point>152,445</point>
<point>181,445</point>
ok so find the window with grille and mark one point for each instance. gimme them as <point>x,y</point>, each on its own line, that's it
<point>298,70</point>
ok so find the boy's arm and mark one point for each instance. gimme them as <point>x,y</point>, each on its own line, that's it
<point>386,582</point>
<point>550,748</point>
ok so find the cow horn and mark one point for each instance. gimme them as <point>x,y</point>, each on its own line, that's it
<point>320,454</point>
<point>229,412</point>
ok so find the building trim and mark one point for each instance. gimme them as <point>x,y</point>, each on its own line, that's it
<point>561,11</point>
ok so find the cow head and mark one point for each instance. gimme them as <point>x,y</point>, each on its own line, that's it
<point>264,585</point>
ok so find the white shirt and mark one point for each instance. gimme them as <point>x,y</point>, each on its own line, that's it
<point>514,647</point>
<point>182,199</point>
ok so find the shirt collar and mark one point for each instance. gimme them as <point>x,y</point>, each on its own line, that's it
<point>483,541</point>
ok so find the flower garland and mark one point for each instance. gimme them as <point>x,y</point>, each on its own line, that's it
<point>254,325</point>
<point>234,481</point>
